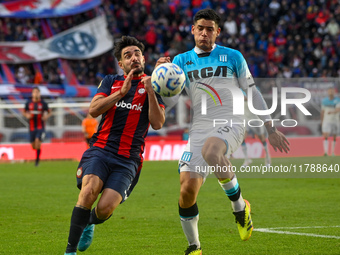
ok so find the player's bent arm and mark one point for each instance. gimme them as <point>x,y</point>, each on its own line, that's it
<point>49,114</point>
<point>259,103</point>
<point>275,137</point>
<point>101,104</point>
<point>27,115</point>
<point>170,101</point>
<point>156,112</point>
<point>334,111</point>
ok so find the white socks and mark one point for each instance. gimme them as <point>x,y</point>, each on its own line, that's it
<point>190,229</point>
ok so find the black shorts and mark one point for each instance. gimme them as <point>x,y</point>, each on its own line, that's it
<point>37,133</point>
<point>117,172</point>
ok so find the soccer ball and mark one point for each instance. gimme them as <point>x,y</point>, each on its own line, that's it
<point>168,80</point>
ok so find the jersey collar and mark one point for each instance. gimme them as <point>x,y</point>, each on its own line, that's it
<point>136,78</point>
<point>199,51</point>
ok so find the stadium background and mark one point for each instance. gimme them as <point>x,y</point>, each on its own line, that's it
<point>286,43</point>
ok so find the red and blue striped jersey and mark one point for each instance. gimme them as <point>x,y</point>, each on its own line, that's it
<point>37,110</point>
<point>123,128</point>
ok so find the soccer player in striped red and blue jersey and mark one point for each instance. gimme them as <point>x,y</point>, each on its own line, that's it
<point>37,112</point>
<point>112,164</point>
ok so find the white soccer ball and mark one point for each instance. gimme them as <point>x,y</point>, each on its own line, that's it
<point>168,80</point>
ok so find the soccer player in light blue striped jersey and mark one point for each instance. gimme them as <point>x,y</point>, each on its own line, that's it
<point>330,119</point>
<point>215,77</point>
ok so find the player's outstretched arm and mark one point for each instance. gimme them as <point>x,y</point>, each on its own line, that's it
<point>276,138</point>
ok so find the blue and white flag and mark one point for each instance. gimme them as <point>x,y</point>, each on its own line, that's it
<point>87,40</point>
<point>45,9</point>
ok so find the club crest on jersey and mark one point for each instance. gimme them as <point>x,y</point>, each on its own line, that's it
<point>79,172</point>
<point>141,91</point>
<point>223,58</point>
<point>186,156</point>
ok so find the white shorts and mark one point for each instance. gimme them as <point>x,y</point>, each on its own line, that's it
<point>331,128</point>
<point>192,159</point>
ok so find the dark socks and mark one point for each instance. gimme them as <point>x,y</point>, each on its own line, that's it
<point>37,159</point>
<point>79,220</point>
<point>94,219</point>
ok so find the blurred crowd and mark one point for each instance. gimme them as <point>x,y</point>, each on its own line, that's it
<point>284,38</point>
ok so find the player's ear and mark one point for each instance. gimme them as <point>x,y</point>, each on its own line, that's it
<point>192,29</point>
<point>120,64</point>
<point>218,31</point>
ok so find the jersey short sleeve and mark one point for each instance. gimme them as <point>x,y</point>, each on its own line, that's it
<point>104,87</point>
<point>26,106</point>
<point>45,106</point>
<point>177,61</point>
<point>242,72</point>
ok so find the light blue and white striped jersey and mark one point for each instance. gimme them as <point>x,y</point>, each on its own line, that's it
<point>208,76</point>
<point>328,105</point>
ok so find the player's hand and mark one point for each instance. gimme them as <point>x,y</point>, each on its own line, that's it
<point>279,141</point>
<point>28,116</point>
<point>162,60</point>
<point>146,80</point>
<point>127,83</point>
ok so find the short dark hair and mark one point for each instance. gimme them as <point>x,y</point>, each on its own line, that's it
<point>36,87</point>
<point>125,42</point>
<point>207,14</point>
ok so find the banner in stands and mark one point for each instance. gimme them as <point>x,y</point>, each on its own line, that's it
<point>160,150</point>
<point>87,40</point>
<point>45,9</point>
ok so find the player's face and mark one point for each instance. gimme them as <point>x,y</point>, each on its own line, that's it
<point>205,33</point>
<point>331,92</point>
<point>132,57</point>
<point>35,94</point>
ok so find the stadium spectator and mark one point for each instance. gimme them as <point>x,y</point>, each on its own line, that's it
<point>38,78</point>
<point>333,27</point>
<point>22,75</point>
<point>113,162</point>
<point>37,112</point>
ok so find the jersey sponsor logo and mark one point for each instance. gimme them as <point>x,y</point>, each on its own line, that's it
<point>223,58</point>
<point>207,72</point>
<point>35,112</point>
<point>188,63</point>
<point>122,104</point>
